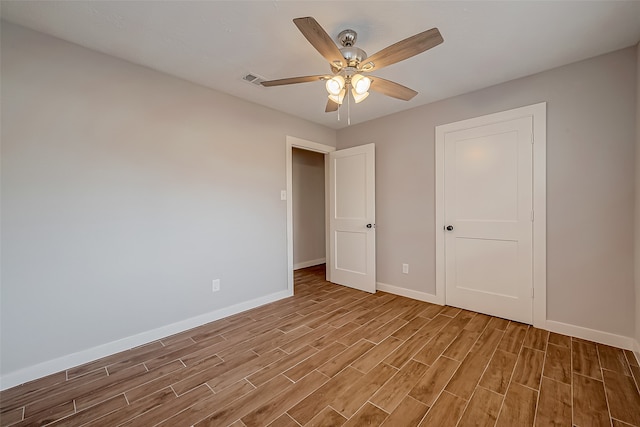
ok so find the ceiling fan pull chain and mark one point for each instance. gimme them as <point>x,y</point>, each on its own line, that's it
<point>348,109</point>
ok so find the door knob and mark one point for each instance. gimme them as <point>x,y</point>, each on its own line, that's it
<point>370,225</point>
<point>449,227</point>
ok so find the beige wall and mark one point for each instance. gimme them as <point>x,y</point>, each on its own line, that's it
<point>307,169</point>
<point>590,186</point>
<point>125,192</point>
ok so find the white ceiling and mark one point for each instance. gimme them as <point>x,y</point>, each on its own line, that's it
<point>215,43</point>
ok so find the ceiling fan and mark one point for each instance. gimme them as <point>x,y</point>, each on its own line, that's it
<point>349,63</point>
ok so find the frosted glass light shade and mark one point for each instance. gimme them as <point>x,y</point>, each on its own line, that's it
<point>339,97</point>
<point>358,97</point>
<point>360,84</point>
<point>335,85</point>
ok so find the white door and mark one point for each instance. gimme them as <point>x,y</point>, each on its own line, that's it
<point>352,233</point>
<point>488,180</point>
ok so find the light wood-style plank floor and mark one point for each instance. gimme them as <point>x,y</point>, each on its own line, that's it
<point>333,356</point>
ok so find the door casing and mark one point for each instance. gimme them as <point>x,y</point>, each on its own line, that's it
<point>538,114</point>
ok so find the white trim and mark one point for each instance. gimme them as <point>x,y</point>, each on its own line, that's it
<point>539,114</point>
<point>601,337</point>
<point>439,203</point>
<point>409,293</point>
<point>292,142</point>
<point>327,219</point>
<point>310,263</point>
<point>76,359</point>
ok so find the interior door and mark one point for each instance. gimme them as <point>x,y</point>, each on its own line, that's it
<point>352,233</point>
<point>488,179</point>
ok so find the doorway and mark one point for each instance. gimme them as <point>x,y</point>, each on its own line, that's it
<point>292,144</point>
<point>308,198</point>
<point>349,213</point>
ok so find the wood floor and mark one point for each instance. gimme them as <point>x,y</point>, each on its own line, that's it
<point>332,356</point>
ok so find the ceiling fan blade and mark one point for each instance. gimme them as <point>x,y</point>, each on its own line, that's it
<point>402,50</point>
<point>319,39</point>
<point>392,89</point>
<point>331,106</point>
<point>293,80</point>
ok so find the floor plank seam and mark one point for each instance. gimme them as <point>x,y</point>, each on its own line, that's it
<point>510,377</point>
<point>544,362</point>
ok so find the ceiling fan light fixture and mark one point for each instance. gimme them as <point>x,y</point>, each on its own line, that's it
<point>350,64</point>
<point>335,85</point>
<point>360,84</point>
<point>339,97</point>
<point>359,97</point>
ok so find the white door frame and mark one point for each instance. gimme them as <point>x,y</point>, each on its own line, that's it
<point>539,114</point>
<point>293,142</point>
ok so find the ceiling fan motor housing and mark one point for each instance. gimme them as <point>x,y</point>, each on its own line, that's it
<point>347,38</point>
<point>353,55</point>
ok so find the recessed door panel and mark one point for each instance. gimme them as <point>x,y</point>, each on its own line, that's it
<point>487,266</point>
<point>351,195</point>
<point>349,254</point>
<point>487,177</point>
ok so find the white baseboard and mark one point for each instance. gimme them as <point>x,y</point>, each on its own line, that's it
<point>410,293</point>
<point>75,359</point>
<point>601,337</point>
<point>311,263</point>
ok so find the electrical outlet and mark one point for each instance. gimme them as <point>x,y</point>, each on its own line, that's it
<point>405,268</point>
<point>215,285</point>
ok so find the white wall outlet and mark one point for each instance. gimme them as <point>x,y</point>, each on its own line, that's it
<point>405,268</point>
<point>215,285</point>
<point>283,194</point>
